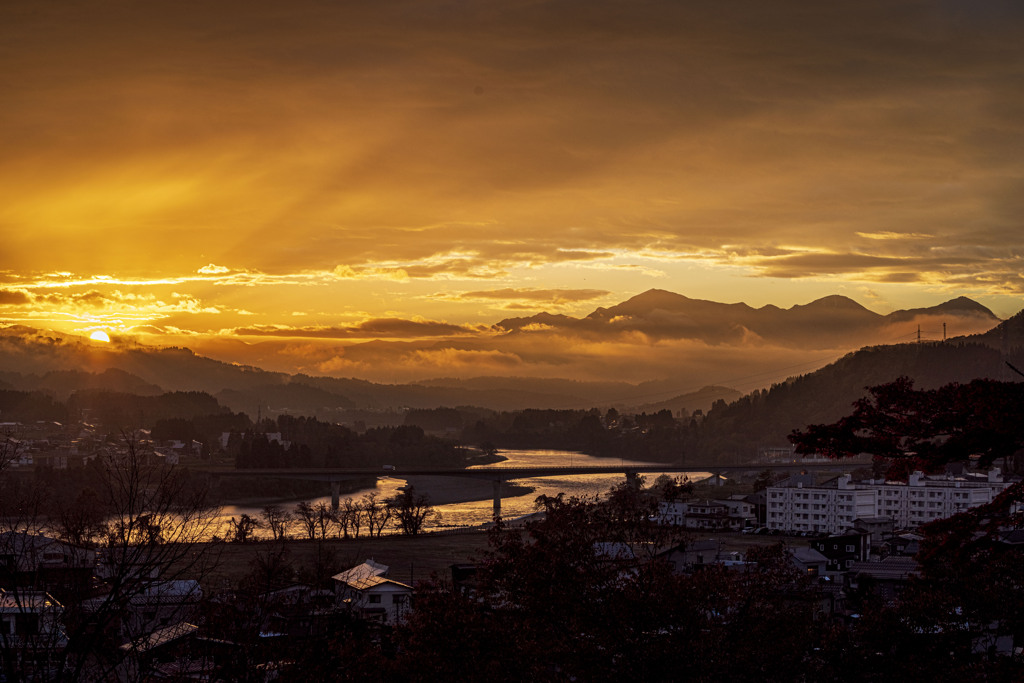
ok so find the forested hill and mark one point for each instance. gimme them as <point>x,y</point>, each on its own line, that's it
<point>765,418</point>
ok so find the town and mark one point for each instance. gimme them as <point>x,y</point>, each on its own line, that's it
<point>141,592</point>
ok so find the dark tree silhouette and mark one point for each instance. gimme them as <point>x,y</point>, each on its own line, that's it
<point>925,429</point>
<point>411,510</point>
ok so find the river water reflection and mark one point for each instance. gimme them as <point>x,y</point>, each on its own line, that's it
<point>478,512</point>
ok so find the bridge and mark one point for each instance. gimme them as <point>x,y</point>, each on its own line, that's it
<point>499,475</point>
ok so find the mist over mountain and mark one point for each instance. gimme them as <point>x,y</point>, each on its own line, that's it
<point>820,324</point>
<point>691,353</point>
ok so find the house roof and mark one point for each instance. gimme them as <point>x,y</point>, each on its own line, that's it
<point>892,568</point>
<point>161,636</point>
<point>361,572</point>
<point>807,556</point>
<point>26,601</point>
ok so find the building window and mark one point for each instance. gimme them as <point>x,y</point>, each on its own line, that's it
<point>374,600</point>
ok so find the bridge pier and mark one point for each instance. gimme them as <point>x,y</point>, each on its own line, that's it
<point>497,498</point>
<point>335,495</point>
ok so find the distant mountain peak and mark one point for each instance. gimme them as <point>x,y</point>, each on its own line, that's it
<point>960,306</point>
<point>964,304</point>
<point>835,301</point>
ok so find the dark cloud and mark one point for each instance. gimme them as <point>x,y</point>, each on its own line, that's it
<point>380,327</point>
<point>9,297</point>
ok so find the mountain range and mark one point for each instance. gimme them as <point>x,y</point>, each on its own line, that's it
<point>821,324</point>
<point>61,364</point>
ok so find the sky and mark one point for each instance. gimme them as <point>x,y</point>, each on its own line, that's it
<point>275,182</point>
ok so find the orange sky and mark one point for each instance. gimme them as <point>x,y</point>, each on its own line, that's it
<point>180,172</point>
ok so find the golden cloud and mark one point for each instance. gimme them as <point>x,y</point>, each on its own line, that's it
<point>364,149</point>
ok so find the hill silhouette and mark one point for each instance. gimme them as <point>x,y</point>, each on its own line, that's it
<point>736,431</point>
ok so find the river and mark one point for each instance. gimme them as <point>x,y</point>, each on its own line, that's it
<point>478,512</point>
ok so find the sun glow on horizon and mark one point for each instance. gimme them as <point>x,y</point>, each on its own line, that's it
<point>100,336</point>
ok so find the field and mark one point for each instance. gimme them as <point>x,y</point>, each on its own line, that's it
<point>411,558</point>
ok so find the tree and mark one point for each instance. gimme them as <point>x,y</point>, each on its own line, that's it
<point>324,517</point>
<point>670,488</point>
<point>81,520</point>
<point>159,523</point>
<point>349,518</point>
<point>243,528</point>
<point>376,512</point>
<point>269,570</point>
<point>277,519</point>
<point>916,429</point>
<point>9,447</point>
<point>306,516</point>
<point>764,479</point>
<point>411,510</point>
<point>559,600</point>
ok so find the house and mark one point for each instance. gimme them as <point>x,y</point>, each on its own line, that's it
<point>367,591</point>
<point>31,632</point>
<point>808,560</point>
<point>166,653</point>
<point>163,603</point>
<point>38,561</point>
<point>686,556</point>
<point>740,506</point>
<point>166,457</point>
<point>906,544</point>
<point>878,528</point>
<point>886,578</point>
<point>842,550</point>
<point>296,611</point>
<point>704,514</point>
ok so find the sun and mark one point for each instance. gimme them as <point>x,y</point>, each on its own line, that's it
<point>99,335</point>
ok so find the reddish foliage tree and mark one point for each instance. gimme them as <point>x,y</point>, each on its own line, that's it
<point>909,429</point>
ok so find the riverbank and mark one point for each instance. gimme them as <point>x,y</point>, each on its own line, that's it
<point>440,491</point>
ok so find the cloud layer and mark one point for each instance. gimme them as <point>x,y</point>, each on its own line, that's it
<point>413,169</point>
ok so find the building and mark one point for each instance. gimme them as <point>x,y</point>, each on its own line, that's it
<point>843,550</point>
<point>31,636</point>
<point>829,508</point>
<point>706,514</point>
<point>924,499</point>
<point>835,506</point>
<point>367,591</point>
<point>45,563</point>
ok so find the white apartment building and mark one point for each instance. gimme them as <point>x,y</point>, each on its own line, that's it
<point>924,499</point>
<point>832,508</point>
<point>819,509</point>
